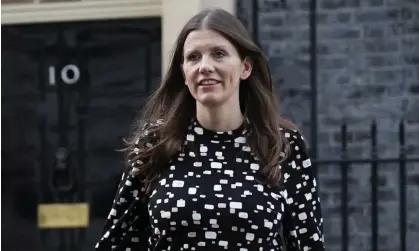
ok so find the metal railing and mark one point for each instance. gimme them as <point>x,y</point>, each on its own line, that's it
<point>345,162</point>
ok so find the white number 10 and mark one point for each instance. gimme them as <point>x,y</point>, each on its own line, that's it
<point>66,77</point>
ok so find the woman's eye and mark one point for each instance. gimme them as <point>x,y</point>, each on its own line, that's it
<point>192,57</point>
<point>219,54</point>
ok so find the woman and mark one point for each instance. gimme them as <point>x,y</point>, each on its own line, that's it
<point>212,166</point>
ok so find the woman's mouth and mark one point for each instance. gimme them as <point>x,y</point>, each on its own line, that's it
<point>208,82</point>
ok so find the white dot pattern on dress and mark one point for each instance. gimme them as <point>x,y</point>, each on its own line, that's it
<point>209,199</point>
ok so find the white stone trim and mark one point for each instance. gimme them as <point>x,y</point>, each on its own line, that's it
<point>79,11</point>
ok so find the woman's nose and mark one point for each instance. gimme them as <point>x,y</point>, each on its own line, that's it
<point>206,65</point>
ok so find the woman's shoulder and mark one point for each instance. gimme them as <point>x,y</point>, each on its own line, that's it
<point>292,134</point>
<point>151,125</point>
<point>144,137</point>
<point>295,139</point>
<point>148,131</point>
<point>290,131</point>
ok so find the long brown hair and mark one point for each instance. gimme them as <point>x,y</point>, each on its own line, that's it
<point>174,105</point>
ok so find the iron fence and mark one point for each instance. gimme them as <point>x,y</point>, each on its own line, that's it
<point>345,161</point>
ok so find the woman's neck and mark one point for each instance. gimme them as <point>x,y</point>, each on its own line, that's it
<point>219,119</point>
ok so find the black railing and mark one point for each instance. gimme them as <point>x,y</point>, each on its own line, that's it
<point>345,162</point>
<point>313,80</point>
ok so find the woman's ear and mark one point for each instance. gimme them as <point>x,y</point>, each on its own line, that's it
<point>247,66</point>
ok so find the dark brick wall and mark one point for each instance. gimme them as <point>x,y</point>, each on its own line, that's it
<point>368,68</point>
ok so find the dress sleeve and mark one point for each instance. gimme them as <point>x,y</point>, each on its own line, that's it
<point>303,222</point>
<point>127,227</point>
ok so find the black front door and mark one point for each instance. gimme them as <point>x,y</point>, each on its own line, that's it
<point>70,92</point>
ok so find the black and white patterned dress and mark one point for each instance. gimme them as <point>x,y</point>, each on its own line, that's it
<point>209,199</point>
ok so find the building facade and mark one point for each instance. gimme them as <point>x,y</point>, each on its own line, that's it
<point>367,69</point>
<point>74,75</point>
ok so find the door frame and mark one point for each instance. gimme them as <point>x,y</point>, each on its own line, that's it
<point>173,13</point>
<point>78,11</point>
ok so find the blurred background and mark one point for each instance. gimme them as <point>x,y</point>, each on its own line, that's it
<point>75,73</point>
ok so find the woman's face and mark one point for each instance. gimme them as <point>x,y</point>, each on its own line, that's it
<point>213,68</point>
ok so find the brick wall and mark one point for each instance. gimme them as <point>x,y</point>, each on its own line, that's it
<point>368,68</point>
